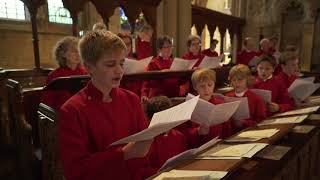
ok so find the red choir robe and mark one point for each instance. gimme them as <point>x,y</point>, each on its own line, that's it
<point>257,108</point>
<point>87,126</point>
<point>190,56</point>
<point>169,87</point>
<point>285,79</point>
<point>165,146</point>
<point>245,56</point>
<point>279,95</point>
<point>191,129</point>
<point>56,98</point>
<point>209,53</point>
<point>143,49</point>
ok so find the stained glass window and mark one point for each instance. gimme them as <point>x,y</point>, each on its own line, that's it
<point>57,13</point>
<point>12,9</point>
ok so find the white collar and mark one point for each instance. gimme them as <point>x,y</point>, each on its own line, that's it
<point>240,94</point>
<point>264,80</point>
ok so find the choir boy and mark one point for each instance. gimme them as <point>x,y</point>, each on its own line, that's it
<point>210,52</point>
<point>281,101</point>
<point>247,53</point>
<point>241,79</point>
<point>100,114</point>
<point>67,56</point>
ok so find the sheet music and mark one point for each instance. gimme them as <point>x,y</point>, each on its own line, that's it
<point>284,120</point>
<point>243,111</point>
<point>189,154</point>
<point>163,121</point>
<point>301,89</point>
<point>265,133</point>
<point>131,66</point>
<point>306,110</point>
<point>191,175</point>
<point>179,64</point>
<point>238,150</point>
<point>209,114</point>
<point>211,62</point>
<point>266,95</point>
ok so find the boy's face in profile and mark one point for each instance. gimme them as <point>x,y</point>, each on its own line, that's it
<point>205,89</point>
<point>108,70</point>
<point>291,67</point>
<point>265,70</point>
<point>239,83</point>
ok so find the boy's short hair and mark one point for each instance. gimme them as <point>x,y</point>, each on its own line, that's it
<point>267,58</point>
<point>99,26</point>
<point>241,71</point>
<point>123,36</point>
<point>203,75</point>
<point>192,38</point>
<point>94,44</point>
<point>157,104</point>
<point>287,56</point>
<point>163,39</point>
<point>62,46</point>
<point>245,42</point>
<point>214,41</point>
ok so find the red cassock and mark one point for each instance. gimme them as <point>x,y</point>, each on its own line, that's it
<point>244,56</point>
<point>87,126</point>
<point>143,49</point>
<point>190,56</point>
<point>56,98</point>
<point>257,108</point>
<point>169,87</point>
<point>279,92</point>
<point>285,79</point>
<point>209,53</point>
<point>166,146</point>
<point>190,130</point>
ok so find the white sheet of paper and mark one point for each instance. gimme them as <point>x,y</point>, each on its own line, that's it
<point>189,154</point>
<point>164,121</point>
<point>266,95</point>
<point>131,66</point>
<point>191,175</point>
<point>273,152</point>
<point>306,110</point>
<point>284,120</point>
<point>211,62</point>
<point>238,150</point>
<point>209,114</point>
<point>243,111</point>
<point>310,101</point>
<point>179,64</point>
<point>265,133</point>
<point>301,89</point>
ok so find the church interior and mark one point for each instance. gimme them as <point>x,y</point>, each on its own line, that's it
<point>235,30</point>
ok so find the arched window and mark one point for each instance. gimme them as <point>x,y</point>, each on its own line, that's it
<point>57,13</point>
<point>125,25</point>
<point>12,9</point>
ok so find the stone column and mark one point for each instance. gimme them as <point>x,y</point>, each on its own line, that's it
<point>184,25</point>
<point>306,46</point>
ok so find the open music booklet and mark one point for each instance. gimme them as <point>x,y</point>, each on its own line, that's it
<point>164,121</point>
<point>132,66</point>
<point>211,62</point>
<point>302,88</point>
<point>266,95</point>
<point>208,114</point>
<point>179,64</point>
<point>191,175</point>
<point>243,111</point>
